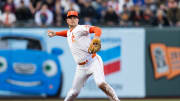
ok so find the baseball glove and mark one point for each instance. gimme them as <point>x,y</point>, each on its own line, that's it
<point>95,46</point>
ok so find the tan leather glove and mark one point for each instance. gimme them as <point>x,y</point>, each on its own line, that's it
<point>95,46</point>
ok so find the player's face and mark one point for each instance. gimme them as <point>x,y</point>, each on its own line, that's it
<point>72,21</point>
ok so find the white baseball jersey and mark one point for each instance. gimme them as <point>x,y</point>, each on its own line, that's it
<point>79,41</point>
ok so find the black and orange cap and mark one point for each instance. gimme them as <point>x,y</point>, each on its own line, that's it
<point>72,13</point>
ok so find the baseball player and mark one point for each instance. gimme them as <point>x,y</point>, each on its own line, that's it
<point>84,52</point>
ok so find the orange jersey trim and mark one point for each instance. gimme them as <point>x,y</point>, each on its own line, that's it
<point>96,30</point>
<point>62,33</point>
<point>93,55</point>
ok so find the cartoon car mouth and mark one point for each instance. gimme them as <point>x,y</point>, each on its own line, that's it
<point>21,83</point>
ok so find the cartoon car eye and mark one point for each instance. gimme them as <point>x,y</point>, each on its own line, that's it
<point>3,64</point>
<point>50,68</point>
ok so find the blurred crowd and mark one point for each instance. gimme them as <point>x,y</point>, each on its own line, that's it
<point>125,13</point>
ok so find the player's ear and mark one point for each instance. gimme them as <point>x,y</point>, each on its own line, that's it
<point>66,20</point>
<point>78,20</point>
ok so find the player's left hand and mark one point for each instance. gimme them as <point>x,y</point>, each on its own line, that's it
<point>95,46</point>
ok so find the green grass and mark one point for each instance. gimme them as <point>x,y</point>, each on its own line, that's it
<point>91,100</point>
<point>137,100</point>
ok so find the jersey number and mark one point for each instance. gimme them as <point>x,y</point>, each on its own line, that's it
<point>73,38</point>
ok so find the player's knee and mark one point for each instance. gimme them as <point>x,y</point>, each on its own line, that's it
<point>102,85</point>
<point>73,92</point>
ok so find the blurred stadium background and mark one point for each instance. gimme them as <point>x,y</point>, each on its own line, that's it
<point>140,49</point>
<point>124,13</point>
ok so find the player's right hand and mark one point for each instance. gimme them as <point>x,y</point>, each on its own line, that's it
<point>51,33</point>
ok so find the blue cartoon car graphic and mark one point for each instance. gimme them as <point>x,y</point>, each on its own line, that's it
<point>27,68</point>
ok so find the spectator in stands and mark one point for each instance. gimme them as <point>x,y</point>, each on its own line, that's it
<point>151,4</point>
<point>161,2</point>
<point>163,7</point>
<point>178,4</point>
<point>0,17</point>
<point>128,3</point>
<point>124,17</point>
<point>74,6</point>
<point>138,2</point>
<point>11,4</point>
<point>148,17</point>
<point>68,4</point>
<point>111,18</point>
<point>160,19</point>
<point>35,5</point>
<point>44,17</point>
<point>58,13</point>
<point>173,13</point>
<point>88,13</point>
<point>22,12</point>
<point>96,4</point>
<point>114,4</point>
<point>8,18</point>
<point>136,16</point>
<point>18,3</point>
<point>80,3</point>
<point>2,2</point>
<point>100,7</point>
<point>50,4</point>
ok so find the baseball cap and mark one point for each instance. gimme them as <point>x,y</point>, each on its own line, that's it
<point>72,13</point>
